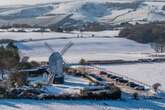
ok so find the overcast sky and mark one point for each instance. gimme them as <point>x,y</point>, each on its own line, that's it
<point>28,2</point>
<point>19,2</point>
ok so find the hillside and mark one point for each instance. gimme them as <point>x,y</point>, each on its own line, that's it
<point>77,13</point>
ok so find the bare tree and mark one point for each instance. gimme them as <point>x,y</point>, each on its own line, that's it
<point>158,47</point>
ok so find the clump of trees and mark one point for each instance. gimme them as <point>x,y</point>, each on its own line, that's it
<point>120,6</point>
<point>158,47</point>
<point>10,61</point>
<point>163,8</point>
<point>9,56</point>
<point>5,41</point>
<point>16,26</point>
<point>145,33</point>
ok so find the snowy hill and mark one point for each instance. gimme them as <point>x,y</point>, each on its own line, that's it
<point>102,11</point>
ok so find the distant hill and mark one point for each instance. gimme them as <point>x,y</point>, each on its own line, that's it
<point>78,13</point>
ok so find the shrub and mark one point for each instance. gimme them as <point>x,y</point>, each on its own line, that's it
<point>135,96</point>
<point>2,90</point>
<point>18,79</point>
<point>82,61</point>
<point>11,45</point>
<point>116,92</point>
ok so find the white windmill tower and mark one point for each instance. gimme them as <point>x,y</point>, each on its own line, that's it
<point>56,64</point>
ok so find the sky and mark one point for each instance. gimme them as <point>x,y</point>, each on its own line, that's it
<point>30,2</point>
<point>24,2</point>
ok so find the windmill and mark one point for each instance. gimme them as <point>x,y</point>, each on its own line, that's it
<point>56,64</point>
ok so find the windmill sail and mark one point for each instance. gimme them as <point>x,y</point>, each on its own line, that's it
<point>66,47</point>
<point>49,47</point>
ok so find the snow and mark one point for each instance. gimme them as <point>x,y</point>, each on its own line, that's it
<point>97,48</point>
<point>87,48</point>
<point>45,35</point>
<point>33,35</point>
<point>106,48</point>
<point>71,85</point>
<point>159,5</point>
<point>114,14</point>
<point>82,105</point>
<point>106,33</point>
<point>77,80</point>
<point>140,14</point>
<point>85,10</point>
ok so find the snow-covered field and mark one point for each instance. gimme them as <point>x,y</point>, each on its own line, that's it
<point>45,35</point>
<point>87,48</point>
<point>82,105</point>
<point>97,48</point>
<point>92,48</point>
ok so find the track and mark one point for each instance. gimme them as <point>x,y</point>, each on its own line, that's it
<point>54,38</point>
<point>118,16</point>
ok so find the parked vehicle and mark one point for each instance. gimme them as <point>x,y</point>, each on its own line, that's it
<point>103,73</point>
<point>119,78</point>
<point>96,77</point>
<point>114,77</point>
<point>140,87</point>
<point>123,81</point>
<point>132,84</point>
<point>109,75</point>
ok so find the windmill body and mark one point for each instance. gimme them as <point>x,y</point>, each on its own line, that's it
<point>56,64</point>
<point>56,68</point>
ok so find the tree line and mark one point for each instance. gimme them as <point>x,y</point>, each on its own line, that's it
<point>145,33</point>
